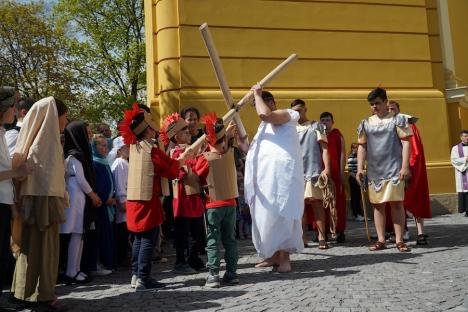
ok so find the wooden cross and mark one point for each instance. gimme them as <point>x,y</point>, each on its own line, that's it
<point>233,108</point>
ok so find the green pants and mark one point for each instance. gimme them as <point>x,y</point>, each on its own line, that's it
<point>221,223</point>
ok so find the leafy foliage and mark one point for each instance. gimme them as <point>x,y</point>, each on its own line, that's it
<point>90,53</point>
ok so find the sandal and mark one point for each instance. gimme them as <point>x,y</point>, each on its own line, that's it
<point>421,240</point>
<point>323,244</point>
<point>377,246</point>
<point>402,247</point>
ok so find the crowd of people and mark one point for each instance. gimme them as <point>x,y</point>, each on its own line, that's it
<point>77,204</point>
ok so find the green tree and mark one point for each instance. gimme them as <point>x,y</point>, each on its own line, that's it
<point>106,45</point>
<point>31,55</point>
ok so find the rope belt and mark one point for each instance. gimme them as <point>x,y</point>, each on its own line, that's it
<point>329,199</point>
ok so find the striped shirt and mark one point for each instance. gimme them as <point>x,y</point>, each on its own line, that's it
<point>352,163</point>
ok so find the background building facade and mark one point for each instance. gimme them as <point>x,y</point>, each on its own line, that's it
<point>416,49</point>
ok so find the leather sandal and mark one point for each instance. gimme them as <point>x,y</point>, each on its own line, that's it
<point>402,247</point>
<point>377,246</point>
<point>323,244</point>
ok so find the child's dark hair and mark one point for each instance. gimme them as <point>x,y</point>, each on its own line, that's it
<point>298,102</point>
<point>326,114</point>
<point>188,110</point>
<point>377,93</point>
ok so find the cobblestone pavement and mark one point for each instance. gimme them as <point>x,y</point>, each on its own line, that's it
<point>346,277</point>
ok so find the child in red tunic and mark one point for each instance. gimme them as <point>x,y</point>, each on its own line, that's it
<point>187,204</point>
<point>217,169</point>
<point>144,212</point>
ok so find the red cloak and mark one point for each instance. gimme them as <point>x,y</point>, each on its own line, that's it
<point>417,194</point>
<point>335,140</point>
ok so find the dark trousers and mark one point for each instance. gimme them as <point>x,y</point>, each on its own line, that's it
<point>122,245</point>
<point>355,191</point>
<point>188,233</point>
<point>105,238</point>
<point>5,251</point>
<point>63,257</point>
<point>168,225</point>
<point>90,252</point>
<point>142,252</point>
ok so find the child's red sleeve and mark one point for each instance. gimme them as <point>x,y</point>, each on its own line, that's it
<point>164,165</point>
<point>201,168</point>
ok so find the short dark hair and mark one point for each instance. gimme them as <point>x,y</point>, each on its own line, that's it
<point>267,96</point>
<point>188,110</point>
<point>326,114</point>
<point>298,102</point>
<point>25,103</point>
<point>7,98</point>
<point>377,93</point>
<point>61,107</point>
<point>463,132</point>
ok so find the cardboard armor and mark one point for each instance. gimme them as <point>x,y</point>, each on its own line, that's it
<point>222,177</point>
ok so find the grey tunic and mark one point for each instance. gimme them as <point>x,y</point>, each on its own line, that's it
<point>309,133</point>
<point>384,148</point>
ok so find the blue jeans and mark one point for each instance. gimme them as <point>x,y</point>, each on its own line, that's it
<point>142,252</point>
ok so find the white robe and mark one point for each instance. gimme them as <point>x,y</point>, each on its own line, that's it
<point>460,165</point>
<point>77,187</point>
<point>274,187</point>
<point>120,172</point>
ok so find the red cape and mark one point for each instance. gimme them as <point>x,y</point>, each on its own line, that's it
<point>417,194</point>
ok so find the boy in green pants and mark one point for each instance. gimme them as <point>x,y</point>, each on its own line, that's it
<point>217,169</point>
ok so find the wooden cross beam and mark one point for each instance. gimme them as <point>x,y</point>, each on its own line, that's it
<point>233,108</point>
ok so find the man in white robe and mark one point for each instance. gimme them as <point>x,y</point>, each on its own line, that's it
<point>274,184</point>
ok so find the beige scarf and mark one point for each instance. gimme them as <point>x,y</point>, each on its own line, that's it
<point>39,142</point>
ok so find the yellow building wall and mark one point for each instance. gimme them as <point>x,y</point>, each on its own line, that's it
<point>345,49</point>
<point>458,13</point>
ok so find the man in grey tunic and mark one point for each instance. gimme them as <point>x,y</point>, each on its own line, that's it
<point>313,140</point>
<point>383,143</point>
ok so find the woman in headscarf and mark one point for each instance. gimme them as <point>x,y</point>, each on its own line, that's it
<point>105,212</point>
<point>42,199</point>
<point>80,179</point>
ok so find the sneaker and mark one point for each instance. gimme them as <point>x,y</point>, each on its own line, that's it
<point>148,285</point>
<point>359,218</point>
<point>100,272</point>
<point>183,268</point>
<point>133,281</point>
<point>212,281</point>
<point>230,278</point>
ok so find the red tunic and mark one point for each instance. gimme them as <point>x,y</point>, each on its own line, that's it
<point>202,168</point>
<point>144,215</point>
<point>334,151</point>
<point>187,206</point>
